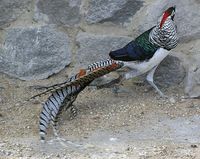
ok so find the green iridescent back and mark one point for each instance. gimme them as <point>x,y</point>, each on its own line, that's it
<point>143,42</point>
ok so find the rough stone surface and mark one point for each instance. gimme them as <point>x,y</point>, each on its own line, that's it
<point>11,9</point>
<point>116,11</point>
<point>187,17</point>
<point>34,53</point>
<point>170,72</point>
<point>191,60</point>
<point>192,84</point>
<point>93,47</point>
<point>60,12</point>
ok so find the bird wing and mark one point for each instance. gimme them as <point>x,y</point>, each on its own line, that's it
<point>139,49</point>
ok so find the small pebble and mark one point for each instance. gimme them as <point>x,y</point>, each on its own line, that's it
<point>183,100</point>
<point>142,113</point>
<point>128,149</point>
<point>172,100</point>
<point>35,102</point>
<point>57,155</point>
<point>194,146</point>
<point>113,139</point>
<point>89,146</point>
<point>17,104</point>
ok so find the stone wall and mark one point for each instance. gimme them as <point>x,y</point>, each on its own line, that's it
<point>39,38</point>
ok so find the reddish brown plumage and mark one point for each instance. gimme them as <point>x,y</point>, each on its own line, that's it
<point>164,18</point>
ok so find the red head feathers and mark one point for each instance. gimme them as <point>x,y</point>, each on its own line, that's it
<point>170,12</point>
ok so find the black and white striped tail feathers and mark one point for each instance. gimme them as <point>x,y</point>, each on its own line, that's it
<point>54,87</point>
<point>100,64</point>
<point>76,79</point>
<point>54,105</point>
<point>73,111</point>
<point>64,96</point>
<point>98,69</point>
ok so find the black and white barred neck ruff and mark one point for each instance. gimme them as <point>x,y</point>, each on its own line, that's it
<point>166,37</point>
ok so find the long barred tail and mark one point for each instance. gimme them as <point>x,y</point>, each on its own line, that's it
<point>65,94</point>
<point>97,70</point>
<point>93,71</point>
<point>54,87</point>
<point>54,105</point>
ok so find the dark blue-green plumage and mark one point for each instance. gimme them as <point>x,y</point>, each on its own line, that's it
<point>139,49</point>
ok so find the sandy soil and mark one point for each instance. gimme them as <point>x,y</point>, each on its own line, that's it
<point>137,125</point>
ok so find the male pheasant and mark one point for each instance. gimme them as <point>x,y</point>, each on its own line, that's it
<point>149,49</point>
<point>145,53</point>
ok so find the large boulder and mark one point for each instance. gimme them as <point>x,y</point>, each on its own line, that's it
<point>117,11</point>
<point>59,12</point>
<point>11,9</point>
<point>170,72</point>
<point>34,53</point>
<point>192,84</point>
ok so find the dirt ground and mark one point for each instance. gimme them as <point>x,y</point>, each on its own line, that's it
<point>135,125</point>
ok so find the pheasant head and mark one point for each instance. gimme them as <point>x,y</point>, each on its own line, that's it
<point>165,33</point>
<point>168,15</point>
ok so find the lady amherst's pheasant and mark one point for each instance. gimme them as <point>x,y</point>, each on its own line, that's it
<point>149,49</point>
<point>64,94</point>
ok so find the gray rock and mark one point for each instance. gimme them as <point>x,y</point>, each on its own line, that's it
<point>11,9</point>
<point>34,53</point>
<point>170,72</point>
<point>60,12</point>
<point>94,48</point>
<point>117,11</point>
<point>187,17</point>
<point>192,84</point>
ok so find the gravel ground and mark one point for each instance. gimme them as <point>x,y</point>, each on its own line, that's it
<point>135,125</point>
